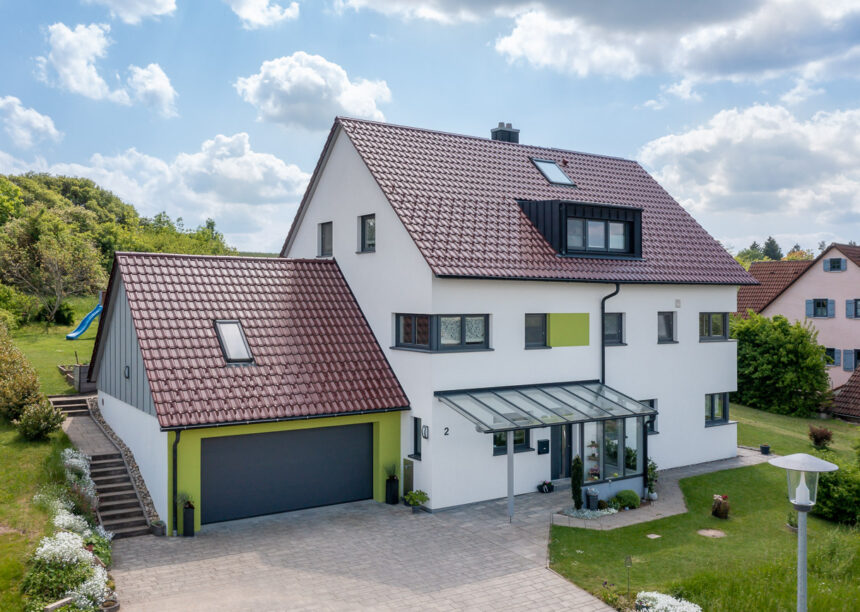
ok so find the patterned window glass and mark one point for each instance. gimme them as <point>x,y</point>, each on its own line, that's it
<point>449,330</point>
<point>475,332</point>
<point>422,330</point>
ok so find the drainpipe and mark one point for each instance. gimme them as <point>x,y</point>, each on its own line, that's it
<point>602,339</point>
<point>175,519</point>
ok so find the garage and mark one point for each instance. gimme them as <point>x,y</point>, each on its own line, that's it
<point>265,473</point>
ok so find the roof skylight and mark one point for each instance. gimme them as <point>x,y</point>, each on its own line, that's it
<point>552,172</point>
<point>233,342</point>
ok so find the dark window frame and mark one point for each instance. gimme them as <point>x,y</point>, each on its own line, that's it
<point>519,447</point>
<point>673,315</point>
<point>586,248</point>
<point>830,352</point>
<point>434,329</point>
<point>711,337</point>
<point>838,267</point>
<point>231,361</point>
<point>542,343</point>
<point>537,161</point>
<point>363,246</point>
<point>416,438</point>
<point>321,251</point>
<point>620,339</point>
<point>817,308</point>
<point>710,409</point>
<point>856,308</point>
<point>413,341</point>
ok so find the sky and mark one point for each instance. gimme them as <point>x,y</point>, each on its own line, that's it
<point>746,111</point>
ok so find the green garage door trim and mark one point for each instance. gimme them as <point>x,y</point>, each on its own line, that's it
<point>280,471</point>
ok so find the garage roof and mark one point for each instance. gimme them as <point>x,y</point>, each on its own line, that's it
<point>314,353</point>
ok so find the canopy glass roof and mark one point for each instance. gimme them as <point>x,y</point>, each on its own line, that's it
<point>529,406</point>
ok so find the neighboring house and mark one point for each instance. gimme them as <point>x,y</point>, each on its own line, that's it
<point>847,401</point>
<point>484,268</point>
<point>825,292</point>
<point>254,384</point>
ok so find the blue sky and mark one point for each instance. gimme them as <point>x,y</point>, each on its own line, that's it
<point>746,111</point>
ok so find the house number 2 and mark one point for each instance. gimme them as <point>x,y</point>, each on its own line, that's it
<point>447,430</point>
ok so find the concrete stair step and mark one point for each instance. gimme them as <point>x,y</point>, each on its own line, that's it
<point>107,505</point>
<point>77,412</point>
<point>111,479</point>
<point>121,495</point>
<point>103,456</point>
<point>106,463</point>
<point>73,400</point>
<point>96,471</point>
<point>130,532</point>
<point>109,515</point>
<point>114,487</point>
<point>123,523</point>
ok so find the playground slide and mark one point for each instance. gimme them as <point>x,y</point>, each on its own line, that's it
<point>85,323</point>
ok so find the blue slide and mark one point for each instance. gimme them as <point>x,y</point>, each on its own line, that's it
<point>85,323</point>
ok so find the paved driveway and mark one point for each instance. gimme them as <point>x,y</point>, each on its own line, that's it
<point>356,556</point>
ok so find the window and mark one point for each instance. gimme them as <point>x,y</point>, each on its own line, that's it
<point>325,239</point>
<point>521,441</point>
<point>367,240</point>
<point>552,172</point>
<point>832,356</point>
<point>535,330</point>
<point>716,408</point>
<point>665,327</point>
<point>713,326</point>
<point>442,332</point>
<point>819,307</point>
<point>613,328</point>
<point>416,438</point>
<point>853,309</point>
<point>650,421</point>
<point>233,342</point>
<point>835,264</point>
<point>597,235</point>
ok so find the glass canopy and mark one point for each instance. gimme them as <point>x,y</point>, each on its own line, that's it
<point>530,406</point>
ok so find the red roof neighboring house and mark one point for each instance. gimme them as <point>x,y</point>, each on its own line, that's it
<point>847,401</point>
<point>458,197</point>
<point>774,277</point>
<point>314,353</point>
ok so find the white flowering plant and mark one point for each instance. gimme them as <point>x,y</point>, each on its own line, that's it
<point>66,521</point>
<point>64,548</point>
<point>588,515</point>
<point>76,462</point>
<point>93,591</point>
<point>651,601</point>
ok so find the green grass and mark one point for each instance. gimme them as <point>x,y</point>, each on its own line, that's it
<point>24,467</point>
<point>787,435</point>
<point>48,348</point>
<point>752,568</point>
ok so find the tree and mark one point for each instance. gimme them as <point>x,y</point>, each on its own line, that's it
<point>42,256</point>
<point>576,481</point>
<point>821,246</point>
<point>781,366</point>
<point>771,249</point>
<point>10,200</point>
<point>750,254</point>
<point>798,254</point>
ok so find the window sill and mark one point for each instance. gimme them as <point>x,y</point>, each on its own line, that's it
<point>667,341</point>
<point>536,348</point>
<point>708,339</point>
<point>440,351</point>
<point>416,457</point>
<point>719,423</point>
<point>365,252</point>
<point>324,256</point>
<point>601,255</point>
<point>517,449</point>
<point>608,344</point>
<point>653,433</point>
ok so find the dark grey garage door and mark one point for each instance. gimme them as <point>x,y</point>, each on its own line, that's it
<point>287,470</point>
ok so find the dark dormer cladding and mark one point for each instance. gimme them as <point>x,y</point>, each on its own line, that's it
<point>576,229</point>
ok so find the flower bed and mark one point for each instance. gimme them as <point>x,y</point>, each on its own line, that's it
<point>588,514</point>
<point>649,601</point>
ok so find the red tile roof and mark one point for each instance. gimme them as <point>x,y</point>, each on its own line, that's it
<point>774,278</point>
<point>850,251</point>
<point>314,352</point>
<point>457,197</point>
<point>847,401</point>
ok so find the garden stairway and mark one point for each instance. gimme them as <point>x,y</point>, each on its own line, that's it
<point>120,510</point>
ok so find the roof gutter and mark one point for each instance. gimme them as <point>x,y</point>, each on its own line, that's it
<point>602,336</point>
<point>179,428</point>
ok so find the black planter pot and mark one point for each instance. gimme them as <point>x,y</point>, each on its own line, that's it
<point>188,522</point>
<point>765,449</point>
<point>157,530</point>
<point>392,491</point>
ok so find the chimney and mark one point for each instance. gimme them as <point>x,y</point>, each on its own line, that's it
<point>505,133</point>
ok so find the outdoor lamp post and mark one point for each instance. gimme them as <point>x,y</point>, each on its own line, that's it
<point>802,471</point>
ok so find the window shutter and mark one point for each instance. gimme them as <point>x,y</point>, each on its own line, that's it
<point>837,357</point>
<point>831,309</point>
<point>848,363</point>
<point>844,265</point>
<point>849,309</point>
<point>810,309</point>
<point>827,265</point>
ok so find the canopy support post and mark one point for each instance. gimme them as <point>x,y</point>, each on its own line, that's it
<point>510,436</point>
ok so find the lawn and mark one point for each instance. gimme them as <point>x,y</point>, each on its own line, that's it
<point>752,568</point>
<point>787,435</point>
<point>46,349</point>
<point>24,467</point>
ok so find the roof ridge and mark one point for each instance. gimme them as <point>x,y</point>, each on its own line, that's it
<point>225,257</point>
<point>341,119</point>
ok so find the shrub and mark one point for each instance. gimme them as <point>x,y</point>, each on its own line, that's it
<point>65,314</point>
<point>101,545</point>
<point>417,497</point>
<point>19,384</point>
<point>821,437</point>
<point>627,499</point>
<point>576,482</point>
<point>8,321</point>
<point>48,581</point>
<point>38,420</point>
<point>839,493</point>
<point>601,504</point>
<point>21,306</point>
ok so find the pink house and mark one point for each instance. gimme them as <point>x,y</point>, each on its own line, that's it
<point>825,291</point>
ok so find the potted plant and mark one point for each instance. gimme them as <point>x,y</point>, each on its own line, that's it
<point>157,528</point>
<point>720,509</point>
<point>415,499</point>
<point>546,487</point>
<point>187,505</point>
<point>111,604</point>
<point>765,449</point>
<point>392,485</point>
<point>651,480</point>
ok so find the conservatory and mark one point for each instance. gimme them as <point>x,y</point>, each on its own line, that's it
<point>604,427</point>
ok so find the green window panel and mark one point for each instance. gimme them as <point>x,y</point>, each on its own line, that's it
<point>567,329</point>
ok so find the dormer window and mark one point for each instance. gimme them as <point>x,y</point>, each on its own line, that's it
<point>552,172</point>
<point>234,345</point>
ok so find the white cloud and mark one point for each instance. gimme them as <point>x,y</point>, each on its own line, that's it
<point>71,61</point>
<point>262,13</point>
<point>800,93</point>
<point>251,195</point>
<point>26,126</point>
<point>309,91</point>
<point>152,87</point>
<point>133,11</point>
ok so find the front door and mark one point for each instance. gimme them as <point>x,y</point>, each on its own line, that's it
<point>561,445</point>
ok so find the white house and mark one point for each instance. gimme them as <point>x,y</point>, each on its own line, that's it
<point>561,296</point>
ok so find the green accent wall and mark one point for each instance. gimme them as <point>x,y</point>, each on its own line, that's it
<point>386,451</point>
<point>567,328</point>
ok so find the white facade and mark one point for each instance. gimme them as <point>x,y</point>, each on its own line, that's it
<point>457,464</point>
<point>141,433</point>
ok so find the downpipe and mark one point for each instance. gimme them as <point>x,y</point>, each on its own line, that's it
<point>175,513</point>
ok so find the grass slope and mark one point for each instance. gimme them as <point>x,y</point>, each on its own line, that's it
<point>752,568</point>
<point>787,435</point>
<point>24,467</point>
<point>46,349</point>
